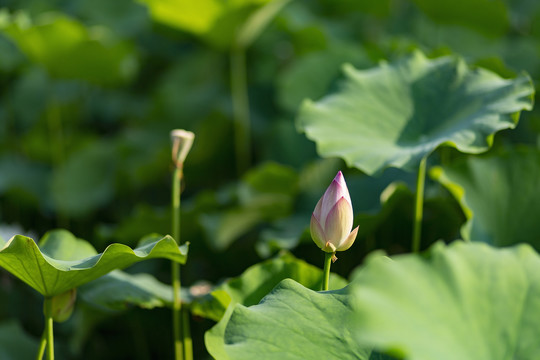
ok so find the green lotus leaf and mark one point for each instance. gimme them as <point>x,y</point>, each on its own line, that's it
<point>293,322</point>
<point>498,194</point>
<point>67,49</point>
<point>464,301</point>
<point>118,290</point>
<point>396,114</point>
<point>488,17</point>
<point>249,288</point>
<point>216,21</point>
<point>297,82</point>
<point>63,262</point>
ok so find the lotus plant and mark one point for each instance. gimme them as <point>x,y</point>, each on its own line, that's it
<point>331,223</point>
<point>182,141</point>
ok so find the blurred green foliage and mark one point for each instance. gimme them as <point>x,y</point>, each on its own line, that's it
<point>89,91</point>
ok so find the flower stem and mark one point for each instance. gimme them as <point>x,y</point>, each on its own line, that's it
<point>419,205</point>
<point>47,311</point>
<point>240,100</point>
<point>188,343</point>
<point>182,335</point>
<point>42,345</point>
<point>326,273</point>
<point>175,267</point>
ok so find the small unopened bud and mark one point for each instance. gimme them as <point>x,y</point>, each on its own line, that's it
<point>62,305</point>
<point>181,144</point>
<point>332,219</point>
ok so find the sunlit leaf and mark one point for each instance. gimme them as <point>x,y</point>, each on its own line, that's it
<point>465,301</point>
<point>216,21</point>
<point>250,287</point>
<point>498,194</point>
<point>293,322</point>
<point>396,114</point>
<point>67,49</point>
<point>257,22</point>
<point>65,262</point>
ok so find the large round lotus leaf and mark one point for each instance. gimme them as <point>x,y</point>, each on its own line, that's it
<point>293,322</point>
<point>63,262</point>
<point>395,114</point>
<point>249,288</point>
<point>465,301</point>
<point>499,195</point>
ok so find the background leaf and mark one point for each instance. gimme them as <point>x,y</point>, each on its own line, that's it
<point>15,344</point>
<point>119,290</point>
<point>498,194</point>
<point>68,50</point>
<point>85,181</point>
<point>215,21</point>
<point>489,17</point>
<point>396,114</point>
<point>265,193</point>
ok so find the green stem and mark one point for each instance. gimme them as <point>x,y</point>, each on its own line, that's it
<point>177,307</point>
<point>326,272</point>
<point>240,100</point>
<point>175,267</point>
<point>42,345</point>
<point>188,343</point>
<point>419,205</point>
<point>47,311</point>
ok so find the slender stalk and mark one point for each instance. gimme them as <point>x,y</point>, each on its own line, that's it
<point>42,345</point>
<point>188,343</point>
<point>240,100</point>
<point>326,271</point>
<point>419,206</point>
<point>175,267</point>
<point>47,311</point>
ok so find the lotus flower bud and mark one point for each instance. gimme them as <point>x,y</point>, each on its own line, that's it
<point>181,144</point>
<point>62,305</point>
<point>332,219</point>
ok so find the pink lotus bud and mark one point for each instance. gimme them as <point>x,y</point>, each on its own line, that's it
<point>332,219</point>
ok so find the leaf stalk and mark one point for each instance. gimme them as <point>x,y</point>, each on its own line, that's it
<point>419,205</point>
